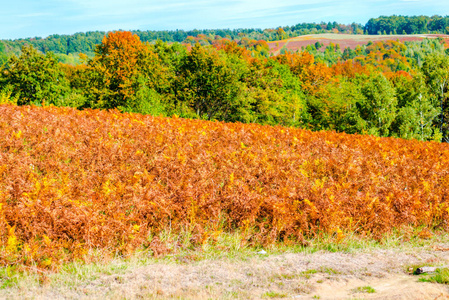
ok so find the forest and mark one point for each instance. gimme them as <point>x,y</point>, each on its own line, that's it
<point>86,42</point>
<point>384,88</point>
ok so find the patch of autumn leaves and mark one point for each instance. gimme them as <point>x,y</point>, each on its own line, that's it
<point>75,180</point>
<point>314,76</point>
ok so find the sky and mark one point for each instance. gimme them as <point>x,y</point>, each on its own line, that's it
<point>41,18</point>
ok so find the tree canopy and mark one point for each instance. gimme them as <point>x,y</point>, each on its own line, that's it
<point>384,88</point>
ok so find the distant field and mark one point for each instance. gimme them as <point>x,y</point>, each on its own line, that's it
<point>344,40</point>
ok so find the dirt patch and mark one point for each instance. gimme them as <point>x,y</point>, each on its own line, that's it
<point>391,286</point>
<point>377,274</point>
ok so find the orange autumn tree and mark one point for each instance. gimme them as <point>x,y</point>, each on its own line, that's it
<point>314,76</point>
<point>386,56</point>
<point>122,66</point>
<point>349,69</point>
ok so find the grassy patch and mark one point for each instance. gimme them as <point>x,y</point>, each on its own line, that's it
<point>274,295</point>
<point>365,289</point>
<point>282,277</point>
<point>440,276</point>
<point>329,271</point>
<point>12,276</point>
<point>307,274</point>
<point>8,279</point>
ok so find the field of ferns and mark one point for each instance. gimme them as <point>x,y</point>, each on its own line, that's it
<point>75,180</point>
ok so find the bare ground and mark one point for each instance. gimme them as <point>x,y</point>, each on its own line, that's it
<point>320,275</point>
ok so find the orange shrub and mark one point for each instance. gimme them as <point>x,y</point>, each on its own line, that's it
<point>74,180</point>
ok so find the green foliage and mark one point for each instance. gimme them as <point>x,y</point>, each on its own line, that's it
<point>148,102</point>
<point>170,55</point>
<point>416,114</point>
<point>436,73</point>
<point>340,112</point>
<point>416,120</point>
<point>69,59</point>
<point>293,106</point>
<point>407,24</point>
<point>6,96</point>
<point>207,85</point>
<point>274,295</point>
<point>378,109</point>
<point>331,54</point>
<point>9,276</point>
<point>417,51</point>
<point>3,55</point>
<point>348,53</point>
<point>365,289</point>
<point>441,275</point>
<point>284,49</point>
<point>72,99</point>
<point>34,77</point>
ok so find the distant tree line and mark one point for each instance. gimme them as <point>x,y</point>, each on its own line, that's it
<point>408,25</point>
<point>67,47</point>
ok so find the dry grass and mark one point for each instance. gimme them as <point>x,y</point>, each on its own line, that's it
<point>241,273</point>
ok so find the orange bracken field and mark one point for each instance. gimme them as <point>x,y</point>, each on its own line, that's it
<point>75,180</point>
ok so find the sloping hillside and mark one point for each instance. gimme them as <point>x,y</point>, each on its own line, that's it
<point>344,40</point>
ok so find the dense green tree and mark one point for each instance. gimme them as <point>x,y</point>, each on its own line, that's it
<point>275,94</point>
<point>416,120</point>
<point>34,77</point>
<point>339,111</point>
<point>3,54</point>
<point>206,84</point>
<point>378,109</point>
<point>417,51</point>
<point>436,72</point>
<point>407,24</point>
<point>348,53</point>
<point>294,105</point>
<point>417,116</point>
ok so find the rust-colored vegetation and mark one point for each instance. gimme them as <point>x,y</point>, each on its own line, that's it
<point>76,180</point>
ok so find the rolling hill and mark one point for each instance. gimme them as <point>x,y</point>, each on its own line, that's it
<point>344,40</point>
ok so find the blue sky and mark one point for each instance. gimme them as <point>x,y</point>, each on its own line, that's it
<point>31,18</point>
